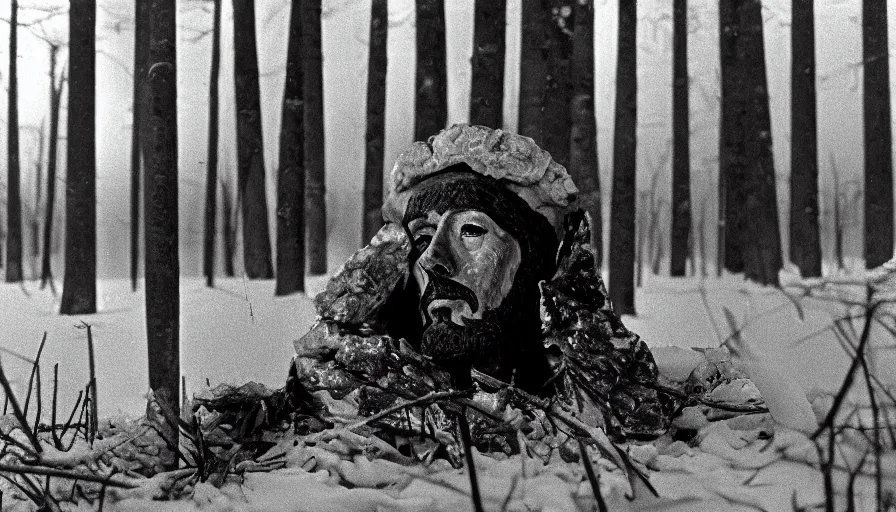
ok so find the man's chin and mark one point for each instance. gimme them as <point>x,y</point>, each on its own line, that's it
<point>448,343</point>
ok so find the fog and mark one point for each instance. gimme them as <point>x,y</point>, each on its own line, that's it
<point>345,33</point>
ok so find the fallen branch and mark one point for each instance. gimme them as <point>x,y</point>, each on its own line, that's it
<point>19,469</point>
<point>423,400</point>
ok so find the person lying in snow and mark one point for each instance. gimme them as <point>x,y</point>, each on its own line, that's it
<point>482,276</point>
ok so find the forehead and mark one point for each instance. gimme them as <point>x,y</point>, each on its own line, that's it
<point>462,192</point>
<point>434,217</point>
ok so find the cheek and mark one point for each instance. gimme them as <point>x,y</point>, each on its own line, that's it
<point>486,271</point>
<point>472,243</point>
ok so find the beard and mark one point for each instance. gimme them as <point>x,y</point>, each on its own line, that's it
<point>449,343</point>
<point>489,343</point>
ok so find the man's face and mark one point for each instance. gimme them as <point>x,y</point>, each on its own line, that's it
<point>466,266</point>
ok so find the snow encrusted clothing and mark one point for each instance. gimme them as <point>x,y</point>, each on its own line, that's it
<point>603,373</point>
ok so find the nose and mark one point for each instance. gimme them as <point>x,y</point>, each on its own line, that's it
<point>437,257</point>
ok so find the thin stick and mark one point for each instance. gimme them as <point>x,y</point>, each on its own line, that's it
<point>426,399</point>
<point>57,442</point>
<point>34,366</point>
<point>593,478</point>
<point>71,416</point>
<point>850,374</point>
<point>467,440</point>
<point>18,411</point>
<point>94,405</point>
<point>17,469</point>
<point>39,404</point>
<point>712,318</point>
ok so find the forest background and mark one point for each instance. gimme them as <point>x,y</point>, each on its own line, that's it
<point>345,30</point>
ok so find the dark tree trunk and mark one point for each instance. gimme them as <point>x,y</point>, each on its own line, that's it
<point>162,275</point>
<point>805,242</point>
<point>315,170</point>
<point>79,282</point>
<point>376,119</point>
<point>622,208</point>
<point>878,136</point>
<point>487,85</point>
<point>558,86</point>
<point>533,67</point>
<point>291,174</point>
<point>545,78</point>
<point>256,236</point>
<point>35,210</point>
<point>211,179</point>
<point>583,166</point>
<point>13,197</point>
<point>46,273</point>
<point>228,229</point>
<point>141,54</point>
<point>681,153</point>
<point>838,222</point>
<point>431,105</point>
<point>752,232</point>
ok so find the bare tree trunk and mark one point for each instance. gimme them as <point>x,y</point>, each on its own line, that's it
<point>558,85</point>
<point>545,77</point>
<point>701,238</point>
<point>838,221</point>
<point>375,145</point>
<point>431,105</point>
<point>46,273</point>
<point>878,136</point>
<point>805,242</point>
<point>35,210</point>
<point>583,164</point>
<point>681,154</point>
<point>315,169</point>
<point>256,236</point>
<point>162,275</point>
<point>79,282</point>
<point>229,229</point>
<point>752,231</point>
<point>13,197</point>
<point>533,67</point>
<point>141,55</point>
<point>211,179</point>
<point>622,212</point>
<point>487,62</point>
<point>291,174</point>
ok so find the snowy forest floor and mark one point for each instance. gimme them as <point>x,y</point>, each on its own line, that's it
<point>238,332</point>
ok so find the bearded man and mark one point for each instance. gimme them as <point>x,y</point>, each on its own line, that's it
<point>482,278</point>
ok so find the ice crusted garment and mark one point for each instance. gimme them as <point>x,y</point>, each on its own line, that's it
<point>357,360</point>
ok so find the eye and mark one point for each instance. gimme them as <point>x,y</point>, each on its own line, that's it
<point>421,242</point>
<point>422,237</point>
<point>472,230</point>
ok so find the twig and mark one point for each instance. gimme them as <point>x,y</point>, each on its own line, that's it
<point>593,478</point>
<point>34,368</point>
<point>467,441</point>
<point>23,422</point>
<point>71,416</point>
<point>712,318</point>
<point>94,405</point>
<point>57,442</point>
<point>745,409</point>
<point>423,400</point>
<point>19,469</point>
<point>850,374</point>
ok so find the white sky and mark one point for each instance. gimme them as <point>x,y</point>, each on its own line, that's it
<point>345,31</point>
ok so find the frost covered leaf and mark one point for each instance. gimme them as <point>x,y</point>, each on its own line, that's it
<point>363,284</point>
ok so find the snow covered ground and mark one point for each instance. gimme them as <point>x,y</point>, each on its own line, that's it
<point>239,332</point>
